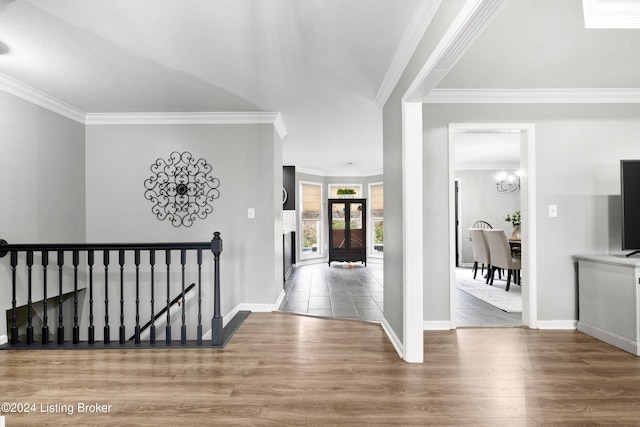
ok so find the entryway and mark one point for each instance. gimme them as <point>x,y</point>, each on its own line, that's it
<point>465,305</point>
<point>344,290</point>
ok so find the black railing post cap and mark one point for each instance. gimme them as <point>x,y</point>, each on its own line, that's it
<point>216,243</point>
<point>3,253</point>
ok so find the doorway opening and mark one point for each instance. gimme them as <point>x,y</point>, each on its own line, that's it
<point>478,153</point>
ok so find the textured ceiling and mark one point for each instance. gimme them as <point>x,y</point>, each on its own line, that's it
<point>544,44</point>
<point>539,44</point>
<point>319,63</point>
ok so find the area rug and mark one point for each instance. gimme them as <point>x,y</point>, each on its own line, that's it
<point>510,302</point>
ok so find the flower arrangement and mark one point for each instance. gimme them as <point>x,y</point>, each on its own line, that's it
<point>514,219</point>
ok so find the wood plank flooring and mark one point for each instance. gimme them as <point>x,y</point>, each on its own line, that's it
<point>284,369</point>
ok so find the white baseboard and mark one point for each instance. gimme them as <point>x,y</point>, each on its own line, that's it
<point>281,298</point>
<point>436,325</point>
<point>256,308</point>
<point>557,324</point>
<point>393,337</point>
<point>3,339</point>
<point>445,325</point>
<point>610,338</point>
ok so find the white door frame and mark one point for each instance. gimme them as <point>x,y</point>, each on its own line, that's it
<point>413,283</point>
<point>528,200</point>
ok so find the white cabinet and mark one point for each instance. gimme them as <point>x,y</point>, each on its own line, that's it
<point>608,297</point>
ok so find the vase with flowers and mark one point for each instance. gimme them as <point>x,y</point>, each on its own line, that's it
<point>515,220</point>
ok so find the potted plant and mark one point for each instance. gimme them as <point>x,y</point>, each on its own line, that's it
<point>346,193</point>
<point>515,220</point>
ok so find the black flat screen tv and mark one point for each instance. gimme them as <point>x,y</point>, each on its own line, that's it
<point>630,194</point>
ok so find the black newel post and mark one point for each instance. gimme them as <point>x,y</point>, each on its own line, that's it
<point>216,321</point>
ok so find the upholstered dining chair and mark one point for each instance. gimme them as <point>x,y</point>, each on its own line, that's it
<point>501,256</point>
<point>480,251</point>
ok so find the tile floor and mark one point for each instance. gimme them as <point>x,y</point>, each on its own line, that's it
<point>353,291</point>
<point>344,290</point>
<point>472,311</point>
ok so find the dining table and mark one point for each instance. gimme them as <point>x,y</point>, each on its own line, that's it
<point>516,245</point>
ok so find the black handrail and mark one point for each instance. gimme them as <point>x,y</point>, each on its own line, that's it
<point>215,245</point>
<point>36,247</point>
<point>159,315</point>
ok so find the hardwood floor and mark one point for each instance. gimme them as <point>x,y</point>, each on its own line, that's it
<point>284,369</point>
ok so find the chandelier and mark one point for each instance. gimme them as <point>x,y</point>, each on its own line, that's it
<point>508,182</point>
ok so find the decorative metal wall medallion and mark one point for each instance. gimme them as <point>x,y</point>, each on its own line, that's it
<point>181,189</point>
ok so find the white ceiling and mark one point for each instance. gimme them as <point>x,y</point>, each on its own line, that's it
<point>543,44</point>
<point>320,63</point>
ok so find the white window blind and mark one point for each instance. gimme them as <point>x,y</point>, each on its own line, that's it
<point>311,201</point>
<point>377,200</point>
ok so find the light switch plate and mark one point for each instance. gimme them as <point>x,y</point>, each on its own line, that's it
<point>251,213</point>
<point>553,211</point>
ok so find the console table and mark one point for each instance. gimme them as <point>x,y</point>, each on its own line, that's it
<point>609,299</point>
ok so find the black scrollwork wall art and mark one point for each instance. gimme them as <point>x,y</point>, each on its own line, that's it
<point>181,189</point>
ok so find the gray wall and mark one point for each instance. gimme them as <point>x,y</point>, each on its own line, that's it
<point>393,160</point>
<point>479,200</point>
<point>67,182</point>
<point>577,149</point>
<point>246,159</point>
<point>42,191</point>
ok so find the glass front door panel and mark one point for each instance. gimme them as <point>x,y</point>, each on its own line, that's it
<point>356,237</point>
<point>338,218</point>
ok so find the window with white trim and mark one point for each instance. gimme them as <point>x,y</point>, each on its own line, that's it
<point>311,219</point>
<point>333,190</point>
<point>376,218</point>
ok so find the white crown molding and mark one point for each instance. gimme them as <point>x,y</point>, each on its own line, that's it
<point>40,99</point>
<point>533,96</point>
<point>424,13</point>
<point>278,123</point>
<point>196,118</point>
<point>611,14</point>
<point>16,88</point>
<point>467,26</point>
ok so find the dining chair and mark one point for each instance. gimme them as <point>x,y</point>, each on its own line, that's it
<point>480,251</point>
<point>481,224</point>
<point>501,256</point>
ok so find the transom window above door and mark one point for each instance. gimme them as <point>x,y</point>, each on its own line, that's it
<point>333,190</point>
